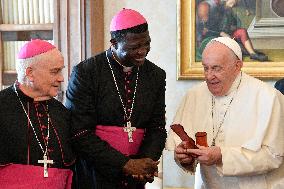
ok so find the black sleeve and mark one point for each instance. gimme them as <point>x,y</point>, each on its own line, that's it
<point>81,100</point>
<point>279,85</point>
<point>155,136</point>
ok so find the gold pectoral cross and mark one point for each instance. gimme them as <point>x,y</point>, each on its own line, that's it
<point>45,161</point>
<point>129,130</point>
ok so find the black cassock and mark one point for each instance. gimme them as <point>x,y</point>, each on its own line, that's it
<point>93,100</point>
<point>18,143</point>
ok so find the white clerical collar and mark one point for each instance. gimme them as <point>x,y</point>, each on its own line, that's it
<point>235,84</point>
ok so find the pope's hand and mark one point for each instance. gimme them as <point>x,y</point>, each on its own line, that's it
<point>207,155</point>
<point>181,154</point>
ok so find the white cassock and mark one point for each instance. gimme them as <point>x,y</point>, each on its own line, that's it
<point>251,138</point>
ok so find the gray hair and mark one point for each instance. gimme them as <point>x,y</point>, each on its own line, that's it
<point>23,64</point>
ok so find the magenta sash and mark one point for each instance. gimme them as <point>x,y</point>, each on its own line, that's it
<point>17,176</point>
<point>118,139</point>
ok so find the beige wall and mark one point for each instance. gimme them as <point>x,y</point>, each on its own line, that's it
<point>161,16</point>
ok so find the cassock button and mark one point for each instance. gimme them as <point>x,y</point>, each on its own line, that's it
<point>43,127</point>
<point>128,101</point>
<point>128,110</point>
<point>36,104</point>
<point>128,91</point>
<point>128,81</point>
<point>50,150</point>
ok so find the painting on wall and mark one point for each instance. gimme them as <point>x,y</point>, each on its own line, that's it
<point>251,23</point>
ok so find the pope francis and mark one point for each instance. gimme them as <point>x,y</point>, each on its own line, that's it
<point>244,121</point>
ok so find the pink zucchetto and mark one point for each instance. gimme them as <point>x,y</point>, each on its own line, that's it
<point>126,18</point>
<point>34,47</point>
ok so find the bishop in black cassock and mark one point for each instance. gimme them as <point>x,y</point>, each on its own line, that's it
<point>17,138</point>
<point>105,93</point>
<point>33,124</point>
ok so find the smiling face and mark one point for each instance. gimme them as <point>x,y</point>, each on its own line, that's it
<point>221,68</point>
<point>133,49</point>
<point>46,75</point>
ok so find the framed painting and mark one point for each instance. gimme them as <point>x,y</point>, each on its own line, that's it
<point>262,42</point>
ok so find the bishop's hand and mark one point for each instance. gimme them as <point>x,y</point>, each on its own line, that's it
<point>143,169</point>
<point>145,178</point>
<point>207,155</point>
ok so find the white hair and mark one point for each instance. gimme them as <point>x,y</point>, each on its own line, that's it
<point>23,64</point>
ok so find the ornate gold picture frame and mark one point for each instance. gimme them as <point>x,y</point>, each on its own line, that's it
<point>266,28</point>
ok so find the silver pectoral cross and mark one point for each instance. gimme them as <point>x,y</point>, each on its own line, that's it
<point>45,161</point>
<point>129,131</point>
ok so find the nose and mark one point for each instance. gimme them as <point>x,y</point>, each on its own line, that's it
<point>143,50</point>
<point>60,77</point>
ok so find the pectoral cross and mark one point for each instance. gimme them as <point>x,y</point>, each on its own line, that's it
<point>45,161</point>
<point>129,131</point>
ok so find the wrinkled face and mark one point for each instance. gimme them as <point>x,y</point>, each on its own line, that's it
<point>221,68</point>
<point>47,76</point>
<point>133,49</point>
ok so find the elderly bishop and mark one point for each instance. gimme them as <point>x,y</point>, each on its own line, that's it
<point>34,126</point>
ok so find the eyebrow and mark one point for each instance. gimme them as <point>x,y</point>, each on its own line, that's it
<point>56,69</point>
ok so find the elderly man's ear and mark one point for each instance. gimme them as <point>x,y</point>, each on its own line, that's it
<point>239,64</point>
<point>29,73</point>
